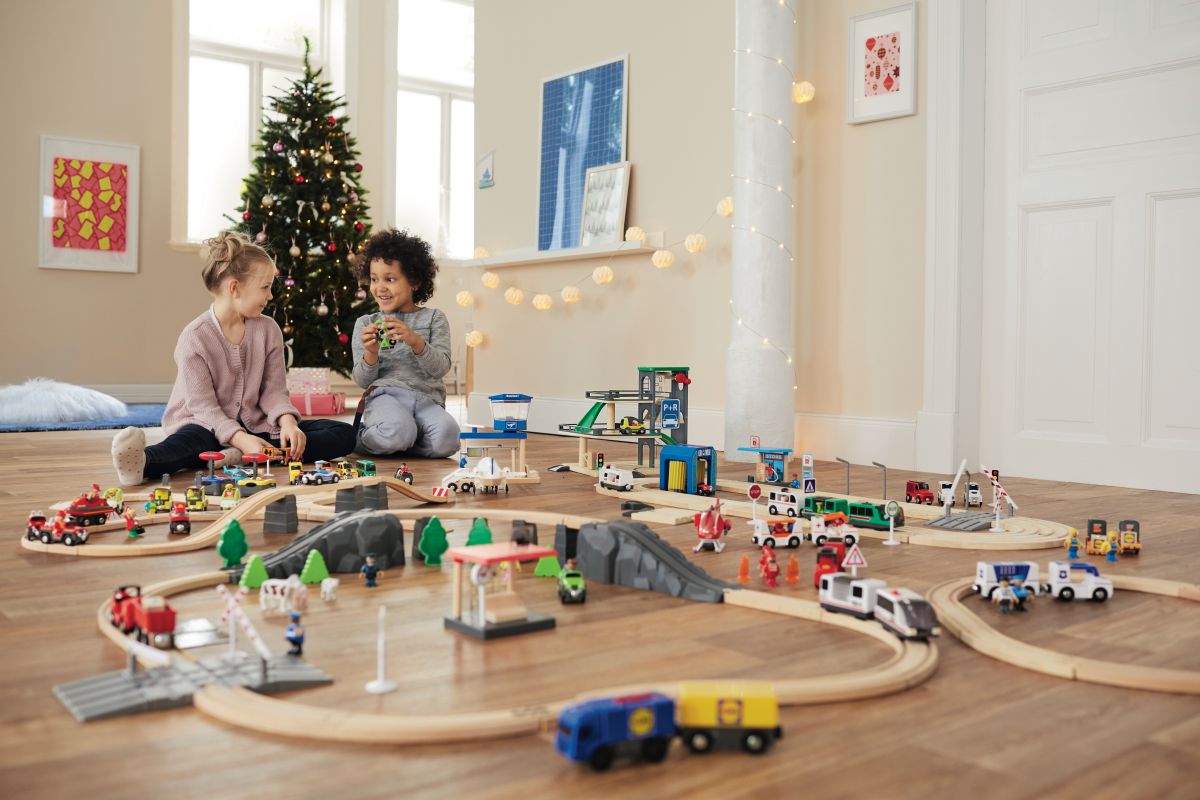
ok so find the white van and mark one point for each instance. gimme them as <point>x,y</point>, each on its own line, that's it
<point>781,501</point>
<point>615,478</point>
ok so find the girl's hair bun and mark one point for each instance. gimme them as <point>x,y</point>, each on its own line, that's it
<point>229,254</point>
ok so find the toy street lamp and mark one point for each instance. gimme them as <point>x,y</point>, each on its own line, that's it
<point>884,468</point>
<point>381,685</point>
<point>847,463</point>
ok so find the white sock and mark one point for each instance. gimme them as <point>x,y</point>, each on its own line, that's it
<point>129,456</point>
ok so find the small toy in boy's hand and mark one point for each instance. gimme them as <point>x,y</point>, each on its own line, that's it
<point>381,333</point>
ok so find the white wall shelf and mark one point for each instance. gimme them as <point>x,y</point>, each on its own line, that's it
<point>515,258</point>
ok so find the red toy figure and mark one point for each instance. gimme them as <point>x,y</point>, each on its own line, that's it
<point>132,525</point>
<point>94,496</point>
<point>59,525</point>
<point>744,570</point>
<point>710,527</point>
<point>768,567</point>
<point>793,570</point>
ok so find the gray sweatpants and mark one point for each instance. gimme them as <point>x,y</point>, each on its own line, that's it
<point>403,422</point>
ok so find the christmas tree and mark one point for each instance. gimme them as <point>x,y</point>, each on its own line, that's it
<point>304,204</point>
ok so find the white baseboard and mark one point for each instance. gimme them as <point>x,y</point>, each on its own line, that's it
<point>859,439</point>
<point>135,392</point>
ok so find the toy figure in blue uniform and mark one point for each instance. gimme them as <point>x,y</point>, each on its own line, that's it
<point>369,571</point>
<point>1114,545</point>
<point>1020,594</point>
<point>795,484</point>
<point>295,635</point>
<point>1073,545</point>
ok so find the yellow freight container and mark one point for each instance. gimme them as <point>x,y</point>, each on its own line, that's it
<point>728,712</point>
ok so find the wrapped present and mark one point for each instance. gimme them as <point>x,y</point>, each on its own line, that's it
<point>314,380</point>
<point>319,404</point>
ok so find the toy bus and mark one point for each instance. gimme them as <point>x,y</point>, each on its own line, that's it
<point>616,478</point>
<point>988,575</point>
<point>902,611</point>
<point>858,512</point>
<point>782,501</point>
<point>741,714</point>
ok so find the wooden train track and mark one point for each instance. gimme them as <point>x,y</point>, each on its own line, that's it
<point>910,664</point>
<point>947,599</point>
<point>308,500</point>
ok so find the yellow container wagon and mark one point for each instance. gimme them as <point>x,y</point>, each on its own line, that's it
<point>728,713</point>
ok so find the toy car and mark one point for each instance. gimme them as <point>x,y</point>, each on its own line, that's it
<point>180,522</point>
<point>84,510</point>
<point>344,468</point>
<point>57,532</point>
<point>974,496</point>
<point>319,475</point>
<point>631,426</point>
<point>295,470</point>
<point>829,560</point>
<point>249,486</point>
<point>230,497</point>
<point>616,478</point>
<point>160,500</point>
<point>773,532</point>
<point>572,588</point>
<point>918,492</point>
<point>237,472</point>
<point>196,499</point>
<point>1069,580</point>
<point>364,468</point>
<point>943,495</point>
<point>1130,537</point>
<point>151,619</point>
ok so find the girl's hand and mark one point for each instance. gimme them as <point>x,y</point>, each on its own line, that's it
<point>249,443</point>
<point>292,438</point>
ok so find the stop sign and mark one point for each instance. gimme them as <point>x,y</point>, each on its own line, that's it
<point>755,491</point>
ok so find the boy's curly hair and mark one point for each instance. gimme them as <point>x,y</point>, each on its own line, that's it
<point>411,252</point>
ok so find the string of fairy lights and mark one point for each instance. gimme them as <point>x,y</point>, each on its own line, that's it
<point>664,257</point>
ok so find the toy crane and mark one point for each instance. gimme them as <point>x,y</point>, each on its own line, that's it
<point>998,495</point>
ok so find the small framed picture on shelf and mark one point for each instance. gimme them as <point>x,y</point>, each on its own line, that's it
<point>605,192</point>
<point>88,205</point>
<point>881,65</point>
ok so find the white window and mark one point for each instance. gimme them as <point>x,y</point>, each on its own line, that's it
<point>433,182</point>
<point>237,56</point>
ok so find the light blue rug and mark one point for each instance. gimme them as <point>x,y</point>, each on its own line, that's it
<point>141,415</point>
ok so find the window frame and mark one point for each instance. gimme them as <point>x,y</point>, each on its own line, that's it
<point>446,93</point>
<point>337,38</point>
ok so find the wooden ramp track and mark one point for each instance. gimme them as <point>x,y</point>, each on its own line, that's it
<point>246,509</point>
<point>677,508</point>
<point>956,617</point>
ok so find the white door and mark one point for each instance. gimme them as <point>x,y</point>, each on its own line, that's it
<point>1092,240</point>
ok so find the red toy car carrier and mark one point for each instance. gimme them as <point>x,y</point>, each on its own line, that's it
<point>151,618</point>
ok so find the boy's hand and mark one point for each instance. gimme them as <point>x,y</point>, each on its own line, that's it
<point>370,343</point>
<point>398,331</point>
<point>291,437</point>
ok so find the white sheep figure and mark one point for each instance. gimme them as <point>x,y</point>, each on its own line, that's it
<point>329,588</point>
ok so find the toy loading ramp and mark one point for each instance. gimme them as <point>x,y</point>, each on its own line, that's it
<point>208,536</point>
<point>586,421</point>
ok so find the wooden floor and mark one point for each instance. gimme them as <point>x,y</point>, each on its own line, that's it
<point>978,728</point>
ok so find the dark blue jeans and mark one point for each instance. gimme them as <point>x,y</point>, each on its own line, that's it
<point>327,439</point>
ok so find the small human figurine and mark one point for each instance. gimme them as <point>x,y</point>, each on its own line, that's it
<point>93,496</point>
<point>768,567</point>
<point>795,484</point>
<point>1021,595</point>
<point>295,634</point>
<point>370,571</point>
<point>230,496</point>
<point>1114,544</point>
<point>1073,545</point>
<point>59,526</point>
<point>132,525</point>
<point>1003,597</point>
<point>115,497</point>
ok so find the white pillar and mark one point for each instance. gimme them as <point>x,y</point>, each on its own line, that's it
<point>759,398</point>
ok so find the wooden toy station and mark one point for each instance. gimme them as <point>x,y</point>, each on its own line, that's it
<point>496,613</point>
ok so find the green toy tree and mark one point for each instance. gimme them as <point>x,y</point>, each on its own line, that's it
<point>304,204</point>
<point>255,573</point>
<point>232,544</point>
<point>314,570</point>
<point>433,542</point>
<point>480,533</point>
<point>547,567</point>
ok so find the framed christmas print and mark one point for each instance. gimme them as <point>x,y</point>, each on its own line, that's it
<point>881,74</point>
<point>88,205</point>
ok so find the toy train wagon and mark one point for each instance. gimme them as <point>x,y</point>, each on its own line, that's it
<point>864,515</point>
<point>741,714</point>
<point>902,611</point>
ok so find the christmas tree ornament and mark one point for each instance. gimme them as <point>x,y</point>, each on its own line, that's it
<point>327,158</point>
<point>289,281</point>
<point>246,216</point>
<point>361,294</point>
<point>268,200</point>
<point>288,329</point>
<point>331,247</point>
<point>299,179</point>
<point>325,205</point>
<point>277,272</point>
<point>294,250</point>
<point>354,197</point>
<point>343,338</point>
<point>330,120</point>
<point>358,226</point>
<point>358,167</point>
<point>277,147</point>
<point>322,309</point>
<point>261,236</point>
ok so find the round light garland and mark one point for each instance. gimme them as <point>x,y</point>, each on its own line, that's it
<point>474,338</point>
<point>465,299</point>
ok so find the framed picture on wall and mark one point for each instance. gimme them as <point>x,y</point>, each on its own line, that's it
<point>583,126</point>
<point>88,205</point>
<point>605,193</point>
<point>881,65</point>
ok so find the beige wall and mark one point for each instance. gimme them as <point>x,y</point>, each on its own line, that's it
<point>78,326</point>
<point>860,231</point>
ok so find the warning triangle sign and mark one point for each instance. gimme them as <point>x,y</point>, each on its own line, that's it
<point>854,557</point>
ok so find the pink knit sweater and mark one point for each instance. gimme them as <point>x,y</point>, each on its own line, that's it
<point>229,387</point>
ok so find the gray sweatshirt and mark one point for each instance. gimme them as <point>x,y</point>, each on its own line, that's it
<point>398,365</point>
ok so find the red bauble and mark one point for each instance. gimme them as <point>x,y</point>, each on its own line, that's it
<point>331,247</point>
<point>246,216</point>
<point>299,179</point>
<point>331,120</point>
<point>343,338</point>
<point>358,167</point>
<point>358,226</point>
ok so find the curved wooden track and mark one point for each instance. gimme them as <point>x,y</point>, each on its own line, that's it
<point>207,536</point>
<point>977,634</point>
<point>911,663</point>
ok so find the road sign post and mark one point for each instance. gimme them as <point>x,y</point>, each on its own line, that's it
<point>891,510</point>
<point>754,492</point>
<point>854,559</point>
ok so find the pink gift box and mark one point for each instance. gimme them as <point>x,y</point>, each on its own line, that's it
<point>319,404</point>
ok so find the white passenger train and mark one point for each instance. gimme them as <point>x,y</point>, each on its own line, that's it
<point>902,611</point>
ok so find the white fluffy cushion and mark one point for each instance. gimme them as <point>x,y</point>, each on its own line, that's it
<point>44,400</point>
